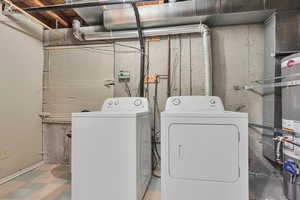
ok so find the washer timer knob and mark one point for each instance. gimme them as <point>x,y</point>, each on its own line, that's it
<point>176,101</point>
<point>116,102</point>
<point>138,102</point>
<point>212,102</point>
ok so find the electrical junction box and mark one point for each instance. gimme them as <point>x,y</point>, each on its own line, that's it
<point>124,76</point>
<point>151,78</point>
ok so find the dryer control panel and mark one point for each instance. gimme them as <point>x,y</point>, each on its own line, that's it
<point>126,104</point>
<point>194,104</point>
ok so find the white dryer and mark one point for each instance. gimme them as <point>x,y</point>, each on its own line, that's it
<point>204,150</point>
<point>111,151</point>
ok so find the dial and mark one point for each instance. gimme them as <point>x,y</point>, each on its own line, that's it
<point>138,102</point>
<point>176,101</point>
<point>110,102</point>
<point>116,102</point>
<point>212,102</point>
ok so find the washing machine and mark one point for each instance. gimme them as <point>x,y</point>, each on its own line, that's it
<point>111,151</point>
<point>204,150</point>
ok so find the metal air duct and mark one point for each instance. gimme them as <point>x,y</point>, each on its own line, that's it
<point>189,12</point>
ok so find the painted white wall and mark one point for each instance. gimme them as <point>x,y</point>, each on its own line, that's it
<point>21,67</point>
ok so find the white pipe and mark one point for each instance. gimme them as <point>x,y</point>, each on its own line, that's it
<point>206,35</point>
<point>130,34</point>
<point>203,29</point>
<point>76,30</point>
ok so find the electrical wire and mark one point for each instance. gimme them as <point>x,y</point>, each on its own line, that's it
<point>128,89</point>
<point>142,47</point>
<point>155,154</point>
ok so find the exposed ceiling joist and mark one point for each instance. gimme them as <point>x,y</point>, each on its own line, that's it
<point>26,14</point>
<point>63,17</point>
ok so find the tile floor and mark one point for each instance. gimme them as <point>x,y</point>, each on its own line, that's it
<point>48,182</point>
<point>52,182</point>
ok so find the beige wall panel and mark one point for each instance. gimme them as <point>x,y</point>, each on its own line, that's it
<point>76,79</point>
<point>186,83</point>
<point>158,57</point>
<point>198,69</point>
<point>175,65</point>
<point>21,58</point>
<point>238,60</point>
<point>127,59</point>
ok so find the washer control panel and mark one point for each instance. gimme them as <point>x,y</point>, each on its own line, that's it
<point>124,104</point>
<point>194,104</point>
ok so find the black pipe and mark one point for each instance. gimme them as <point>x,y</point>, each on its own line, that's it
<point>81,5</point>
<point>169,66</point>
<point>261,126</point>
<point>142,50</point>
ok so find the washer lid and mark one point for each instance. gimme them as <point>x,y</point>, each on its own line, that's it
<point>194,104</point>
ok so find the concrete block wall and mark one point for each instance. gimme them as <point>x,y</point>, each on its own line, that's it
<point>238,55</point>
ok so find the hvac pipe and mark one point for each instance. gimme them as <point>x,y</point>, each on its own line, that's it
<point>131,34</point>
<point>164,31</point>
<point>76,30</point>
<point>81,5</point>
<point>207,58</point>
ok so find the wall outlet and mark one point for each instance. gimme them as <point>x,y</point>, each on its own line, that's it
<point>3,155</point>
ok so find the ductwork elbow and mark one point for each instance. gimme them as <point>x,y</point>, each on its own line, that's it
<point>204,29</point>
<point>76,30</point>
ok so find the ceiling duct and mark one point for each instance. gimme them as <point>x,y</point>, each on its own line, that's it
<point>191,12</point>
<point>158,15</point>
<point>94,15</point>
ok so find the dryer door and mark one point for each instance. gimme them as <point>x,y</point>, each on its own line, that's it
<point>206,152</point>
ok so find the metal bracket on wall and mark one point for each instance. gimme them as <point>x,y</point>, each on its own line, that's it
<point>251,87</point>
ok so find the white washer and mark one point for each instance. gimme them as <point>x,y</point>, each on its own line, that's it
<point>111,151</point>
<point>204,150</point>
